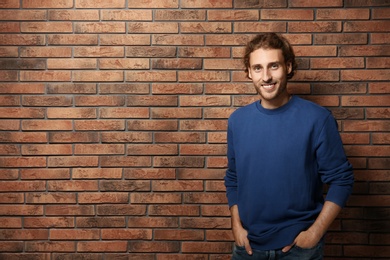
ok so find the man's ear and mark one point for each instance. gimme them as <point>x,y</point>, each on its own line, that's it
<point>249,74</point>
<point>289,67</point>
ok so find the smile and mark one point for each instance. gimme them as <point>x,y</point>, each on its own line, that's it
<point>268,86</point>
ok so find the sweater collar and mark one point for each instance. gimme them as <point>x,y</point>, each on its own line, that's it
<point>276,110</point>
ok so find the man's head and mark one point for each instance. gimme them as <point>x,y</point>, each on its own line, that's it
<point>271,41</point>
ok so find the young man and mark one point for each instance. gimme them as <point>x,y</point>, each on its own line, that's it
<point>281,151</point>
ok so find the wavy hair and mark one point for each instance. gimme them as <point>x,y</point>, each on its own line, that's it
<point>271,41</point>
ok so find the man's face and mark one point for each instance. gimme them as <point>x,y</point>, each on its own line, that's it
<point>268,71</point>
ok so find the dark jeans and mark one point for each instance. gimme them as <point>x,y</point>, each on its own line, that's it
<point>295,253</point>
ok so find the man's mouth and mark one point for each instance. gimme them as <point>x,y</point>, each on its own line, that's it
<point>268,86</point>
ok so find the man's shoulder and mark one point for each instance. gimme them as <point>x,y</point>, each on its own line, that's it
<point>244,110</point>
<point>308,106</point>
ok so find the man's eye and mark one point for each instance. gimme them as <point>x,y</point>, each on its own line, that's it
<point>257,68</point>
<point>274,66</point>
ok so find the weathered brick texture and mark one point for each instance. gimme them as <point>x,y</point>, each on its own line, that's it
<point>113,116</point>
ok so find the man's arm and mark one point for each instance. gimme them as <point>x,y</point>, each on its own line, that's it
<point>239,233</point>
<point>311,237</point>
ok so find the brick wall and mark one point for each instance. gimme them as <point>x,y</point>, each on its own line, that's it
<point>113,118</point>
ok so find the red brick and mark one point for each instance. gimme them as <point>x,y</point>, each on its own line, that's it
<point>86,173</point>
<point>366,26</point>
<point>168,185</point>
<point>51,198</point>
<point>205,198</point>
<point>124,64</point>
<point>100,4</point>
<point>215,210</point>
<point>9,149</point>
<point>43,149</point>
<point>121,88</point>
<point>32,234</point>
<point>157,125</point>
<point>202,174</point>
<point>316,3</point>
<point>43,174</point>
<point>108,125</point>
<point>72,39</point>
<point>380,38</point>
<point>127,234</point>
<point>170,15</point>
<point>203,149</point>
<point>11,198</point>
<point>64,185</point>
<point>21,210</point>
<point>174,210</point>
<point>290,14</point>
<point>128,39</point>
<point>314,27</point>
<point>102,246</point>
<point>40,125</point>
<point>149,173</point>
<point>10,4</point>
<point>316,75</point>
<point>69,210</point>
<point>303,51</point>
<point>124,112</point>
<point>73,137</point>
<point>21,40</point>
<point>96,222</point>
<point>10,27</point>
<point>127,15</point>
<point>125,161</point>
<point>9,174</point>
<point>205,4</point>
<point>127,185</point>
<point>360,75</point>
<point>246,27</point>
<point>137,76</point>
<point>173,234</point>
<point>106,197</point>
<point>7,101</point>
<point>163,247</point>
<point>172,39</point>
<point>210,52</point>
<point>150,222</point>
<point>8,51</point>
<point>343,14</point>
<point>72,161</point>
<point>156,198</point>
<point>99,27</point>
<point>124,209</point>
<point>176,113</point>
<point>46,27</point>
<point>8,75</point>
<point>50,246</point>
<point>46,222</point>
<point>206,247</point>
<point>152,149</point>
<point>11,246</point>
<point>69,15</point>
<point>179,137</point>
<point>380,13</point>
<point>126,137</point>
<point>71,63</point>
<point>47,4</point>
<point>343,63</point>
<point>182,161</point>
<point>196,76</point>
<point>17,162</point>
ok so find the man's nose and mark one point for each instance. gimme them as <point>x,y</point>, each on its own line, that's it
<point>266,75</point>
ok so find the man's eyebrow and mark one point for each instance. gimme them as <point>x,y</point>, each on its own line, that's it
<point>270,63</point>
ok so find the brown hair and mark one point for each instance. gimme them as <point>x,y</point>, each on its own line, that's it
<point>271,41</point>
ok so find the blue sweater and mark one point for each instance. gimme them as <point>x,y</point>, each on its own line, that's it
<point>278,161</point>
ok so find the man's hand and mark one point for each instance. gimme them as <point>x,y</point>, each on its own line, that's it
<point>305,239</point>
<point>239,233</point>
<point>241,238</point>
<point>311,237</point>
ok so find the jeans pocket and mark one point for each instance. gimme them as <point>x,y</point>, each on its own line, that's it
<point>314,253</point>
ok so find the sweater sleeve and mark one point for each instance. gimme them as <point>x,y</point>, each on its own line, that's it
<point>231,175</point>
<point>333,166</point>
